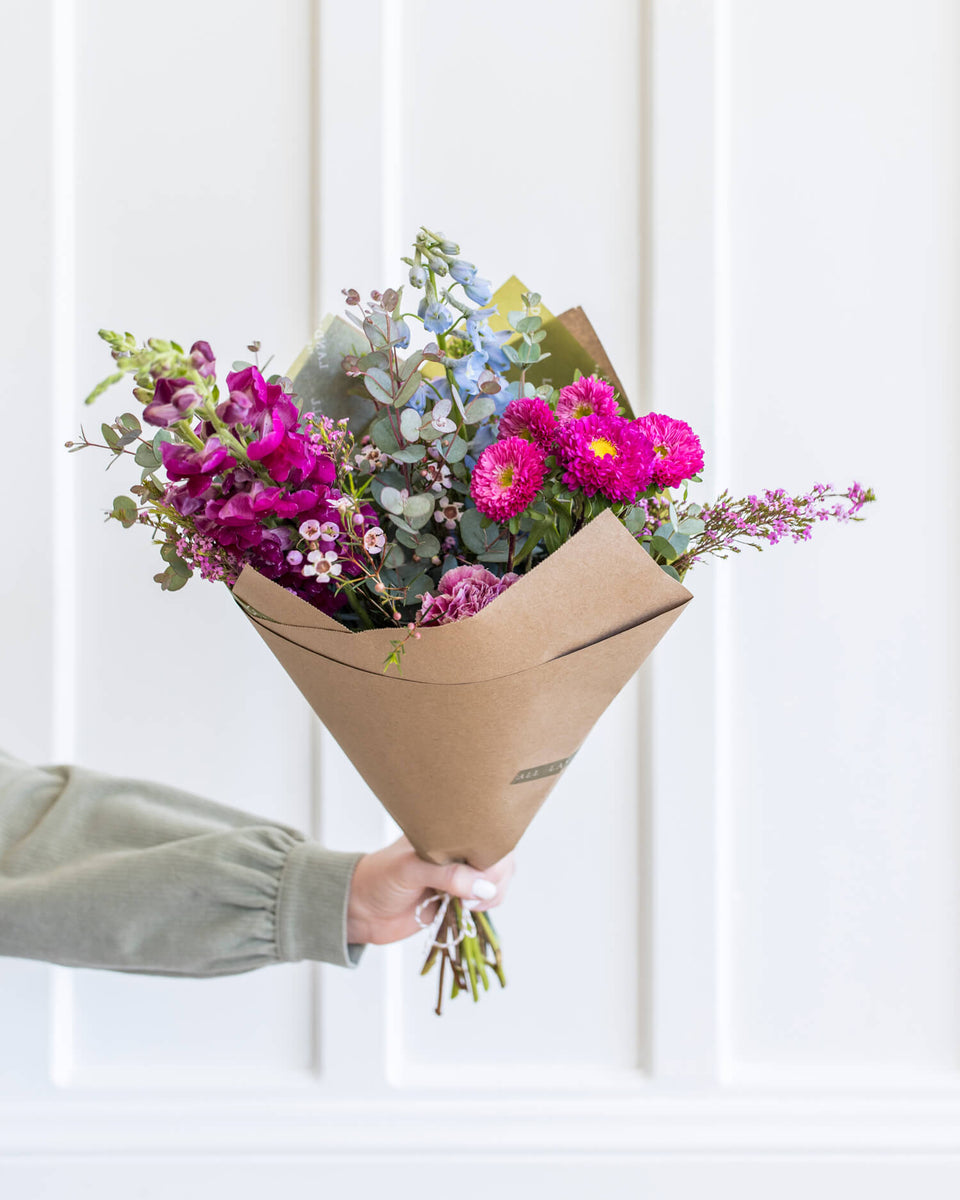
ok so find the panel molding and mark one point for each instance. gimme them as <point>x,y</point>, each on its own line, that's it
<point>762,1122</point>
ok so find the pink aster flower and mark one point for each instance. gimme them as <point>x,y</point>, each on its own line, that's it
<point>585,397</point>
<point>606,454</point>
<point>532,418</point>
<point>462,592</point>
<point>506,478</point>
<point>677,449</point>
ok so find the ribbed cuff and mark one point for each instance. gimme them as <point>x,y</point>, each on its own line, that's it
<point>312,906</point>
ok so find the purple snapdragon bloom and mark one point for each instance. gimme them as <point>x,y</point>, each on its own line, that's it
<point>202,358</point>
<point>172,400</point>
<point>183,462</point>
<point>436,317</point>
<point>250,398</point>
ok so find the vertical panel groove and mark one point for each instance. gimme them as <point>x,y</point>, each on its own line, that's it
<point>723,435</point>
<point>63,51</point>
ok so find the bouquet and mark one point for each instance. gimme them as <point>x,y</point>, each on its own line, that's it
<point>467,531</point>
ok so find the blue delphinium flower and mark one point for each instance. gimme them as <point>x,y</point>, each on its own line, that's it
<point>484,338</point>
<point>462,271</point>
<point>436,317</point>
<point>467,371</point>
<point>430,391</point>
<point>479,290</point>
<point>400,332</point>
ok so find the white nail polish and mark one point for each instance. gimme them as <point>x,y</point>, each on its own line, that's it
<point>484,889</point>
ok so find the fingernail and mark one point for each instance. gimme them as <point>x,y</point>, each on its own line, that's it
<point>484,889</point>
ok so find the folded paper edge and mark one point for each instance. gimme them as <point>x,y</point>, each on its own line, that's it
<point>275,628</point>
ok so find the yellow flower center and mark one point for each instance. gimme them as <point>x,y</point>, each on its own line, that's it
<point>663,451</point>
<point>603,448</point>
<point>583,409</point>
<point>505,476</point>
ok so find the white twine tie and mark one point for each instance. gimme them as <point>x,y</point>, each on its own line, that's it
<point>450,942</point>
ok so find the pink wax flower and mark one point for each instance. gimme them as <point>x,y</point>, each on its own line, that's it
<point>462,592</point>
<point>605,454</point>
<point>531,418</point>
<point>506,478</point>
<point>677,449</point>
<point>585,397</point>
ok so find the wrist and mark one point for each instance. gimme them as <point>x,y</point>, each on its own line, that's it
<point>359,923</point>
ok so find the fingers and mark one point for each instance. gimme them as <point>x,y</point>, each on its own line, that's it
<point>481,889</point>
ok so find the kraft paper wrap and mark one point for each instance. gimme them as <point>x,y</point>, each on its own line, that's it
<point>512,691</point>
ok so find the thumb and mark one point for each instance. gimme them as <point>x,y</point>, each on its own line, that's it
<point>459,880</point>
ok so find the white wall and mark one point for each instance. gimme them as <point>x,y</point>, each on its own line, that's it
<point>757,205</point>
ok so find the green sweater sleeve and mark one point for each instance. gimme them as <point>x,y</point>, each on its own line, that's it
<point>127,875</point>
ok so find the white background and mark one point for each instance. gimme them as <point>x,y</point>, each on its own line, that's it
<point>732,939</point>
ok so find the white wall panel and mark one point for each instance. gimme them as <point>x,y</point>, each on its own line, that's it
<point>843,135</point>
<point>192,220</point>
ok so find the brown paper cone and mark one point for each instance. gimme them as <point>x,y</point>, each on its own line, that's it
<point>465,745</point>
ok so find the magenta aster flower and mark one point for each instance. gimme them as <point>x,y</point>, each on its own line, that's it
<point>532,418</point>
<point>605,454</point>
<point>462,592</point>
<point>506,478</point>
<point>585,397</point>
<point>677,448</point>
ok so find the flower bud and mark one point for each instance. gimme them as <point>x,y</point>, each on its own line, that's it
<point>417,276</point>
<point>449,247</point>
<point>437,265</point>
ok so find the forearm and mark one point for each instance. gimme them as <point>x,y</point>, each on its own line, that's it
<point>134,876</point>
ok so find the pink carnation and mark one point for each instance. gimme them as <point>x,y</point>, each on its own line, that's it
<point>606,454</point>
<point>587,396</point>
<point>677,448</point>
<point>506,478</point>
<point>462,592</point>
<point>530,417</point>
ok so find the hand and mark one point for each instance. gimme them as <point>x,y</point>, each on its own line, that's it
<point>389,884</point>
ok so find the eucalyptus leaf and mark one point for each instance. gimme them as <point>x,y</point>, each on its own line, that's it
<point>147,457</point>
<point>376,389</point>
<point>453,447</point>
<point>409,365</point>
<point>427,545</point>
<point>408,390</point>
<point>410,424</point>
<point>422,583</point>
<point>409,454</point>
<point>479,408</point>
<point>660,547</point>
<point>418,505</point>
<point>475,535</point>
<point>391,500</point>
<point>382,435</point>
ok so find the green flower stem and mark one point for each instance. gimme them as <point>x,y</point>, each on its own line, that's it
<point>358,607</point>
<point>183,428</point>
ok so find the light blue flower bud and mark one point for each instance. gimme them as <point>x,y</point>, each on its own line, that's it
<point>417,277</point>
<point>449,247</point>
<point>479,290</point>
<point>462,271</point>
